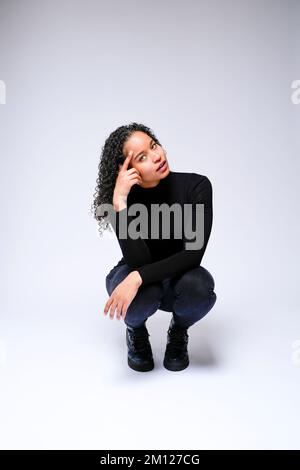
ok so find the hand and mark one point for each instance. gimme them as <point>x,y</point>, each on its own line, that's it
<point>123,295</point>
<point>125,180</point>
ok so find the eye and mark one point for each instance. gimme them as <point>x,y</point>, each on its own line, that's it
<point>154,145</point>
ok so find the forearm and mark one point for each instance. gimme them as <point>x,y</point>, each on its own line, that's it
<point>135,251</point>
<point>171,266</point>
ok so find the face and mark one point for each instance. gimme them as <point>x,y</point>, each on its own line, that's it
<point>147,156</point>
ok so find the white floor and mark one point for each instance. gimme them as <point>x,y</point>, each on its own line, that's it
<point>66,384</point>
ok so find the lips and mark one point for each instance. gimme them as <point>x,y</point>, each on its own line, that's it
<point>160,165</point>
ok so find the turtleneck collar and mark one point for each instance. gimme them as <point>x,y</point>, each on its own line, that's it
<point>155,189</point>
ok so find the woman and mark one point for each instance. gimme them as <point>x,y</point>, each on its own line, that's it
<point>154,272</point>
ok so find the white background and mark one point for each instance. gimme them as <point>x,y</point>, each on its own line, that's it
<point>212,79</point>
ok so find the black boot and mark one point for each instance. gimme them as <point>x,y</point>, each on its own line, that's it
<point>176,354</point>
<point>139,349</point>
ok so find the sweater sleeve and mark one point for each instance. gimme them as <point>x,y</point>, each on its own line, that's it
<point>199,192</point>
<point>136,252</point>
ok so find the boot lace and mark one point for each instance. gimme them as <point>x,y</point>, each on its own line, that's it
<point>140,342</point>
<point>177,341</point>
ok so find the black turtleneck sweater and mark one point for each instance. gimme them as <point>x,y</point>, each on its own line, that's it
<point>157,259</point>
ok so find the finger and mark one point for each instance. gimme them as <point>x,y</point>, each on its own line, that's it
<point>127,161</point>
<point>119,313</point>
<point>107,305</point>
<point>136,181</point>
<point>112,311</point>
<point>133,171</point>
<point>138,178</point>
<point>124,313</point>
<point>136,175</point>
<point>110,303</point>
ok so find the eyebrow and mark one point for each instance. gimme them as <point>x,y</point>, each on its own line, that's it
<point>152,140</point>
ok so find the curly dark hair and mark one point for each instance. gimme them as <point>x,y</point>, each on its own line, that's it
<point>108,168</point>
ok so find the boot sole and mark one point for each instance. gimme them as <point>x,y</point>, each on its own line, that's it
<point>138,368</point>
<point>176,367</point>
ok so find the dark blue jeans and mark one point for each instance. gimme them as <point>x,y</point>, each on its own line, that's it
<point>189,296</point>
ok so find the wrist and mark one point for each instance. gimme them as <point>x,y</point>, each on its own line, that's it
<point>137,279</point>
<point>119,202</point>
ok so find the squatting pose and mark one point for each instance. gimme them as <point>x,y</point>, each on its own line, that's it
<point>155,271</point>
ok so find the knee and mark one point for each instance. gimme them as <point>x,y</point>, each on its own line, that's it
<point>196,284</point>
<point>116,275</point>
